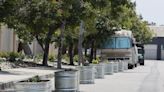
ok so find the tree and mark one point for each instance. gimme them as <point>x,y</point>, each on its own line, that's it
<point>124,12</point>
<point>6,8</point>
<point>99,26</point>
<point>77,15</point>
<point>72,12</point>
<point>39,19</point>
<point>71,40</point>
<point>142,32</point>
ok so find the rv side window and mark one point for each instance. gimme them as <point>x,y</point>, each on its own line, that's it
<point>123,42</point>
<point>117,43</point>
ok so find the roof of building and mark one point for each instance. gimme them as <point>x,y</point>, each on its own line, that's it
<point>158,30</point>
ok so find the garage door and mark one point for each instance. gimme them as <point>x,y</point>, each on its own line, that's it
<point>151,52</point>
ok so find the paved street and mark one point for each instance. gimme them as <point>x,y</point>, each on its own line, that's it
<point>148,78</point>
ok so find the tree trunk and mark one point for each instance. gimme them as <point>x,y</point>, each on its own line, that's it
<point>75,50</point>
<point>91,53</point>
<point>59,56</point>
<point>20,47</point>
<point>86,52</point>
<point>24,47</point>
<point>80,53</point>
<point>27,50</point>
<point>95,52</point>
<point>45,56</point>
<point>64,50</point>
<point>61,45</point>
<point>71,53</point>
<point>47,45</point>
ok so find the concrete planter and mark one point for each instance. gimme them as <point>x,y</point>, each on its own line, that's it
<point>67,81</point>
<point>33,86</point>
<point>109,68</point>
<point>121,66</point>
<point>87,74</point>
<point>115,67</point>
<point>100,71</point>
<point>125,65</point>
<point>7,87</point>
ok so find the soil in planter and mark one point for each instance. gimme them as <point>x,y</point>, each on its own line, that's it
<point>69,69</point>
<point>35,79</point>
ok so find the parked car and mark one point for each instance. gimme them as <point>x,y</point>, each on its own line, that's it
<point>141,52</point>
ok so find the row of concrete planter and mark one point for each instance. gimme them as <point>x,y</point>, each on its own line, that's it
<point>97,71</point>
<point>65,81</point>
<point>69,80</point>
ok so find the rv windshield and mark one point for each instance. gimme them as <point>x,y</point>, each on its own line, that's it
<point>117,43</point>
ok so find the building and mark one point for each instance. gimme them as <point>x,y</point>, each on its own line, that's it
<point>9,42</point>
<point>155,49</point>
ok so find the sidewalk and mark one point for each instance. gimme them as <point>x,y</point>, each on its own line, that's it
<point>18,74</point>
<point>10,76</point>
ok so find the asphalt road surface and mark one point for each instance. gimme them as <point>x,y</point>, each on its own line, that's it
<point>148,78</point>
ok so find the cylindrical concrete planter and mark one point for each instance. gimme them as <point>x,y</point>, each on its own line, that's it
<point>33,86</point>
<point>121,66</point>
<point>66,81</point>
<point>87,74</point>
<point>115,67</point>
<point>109,68</point>
<point>125,65</point>
<point>100,71</point>
<point>7,87</point>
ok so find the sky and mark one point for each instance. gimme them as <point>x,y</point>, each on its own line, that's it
<point>151,10</point>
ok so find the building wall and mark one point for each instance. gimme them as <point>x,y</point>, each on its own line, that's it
<point>36,48</point>
<point>150,51</point>
<point>157,30</point>
<point>162,52</point>
<point>154,50</point>
<point>9,42</point>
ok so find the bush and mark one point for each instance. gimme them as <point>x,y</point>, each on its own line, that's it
<point>13,55</point>
<point>39,56</point>
<point>95,61</point>
<point>21,56</point>
<point>76,58</point>
<point>98,59</point>
<point>34,79</point>
<point>66,57</point>
<point>4,55</point>
<point>51,58</point>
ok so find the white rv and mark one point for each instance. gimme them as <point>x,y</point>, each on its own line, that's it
<point>121,46</point>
